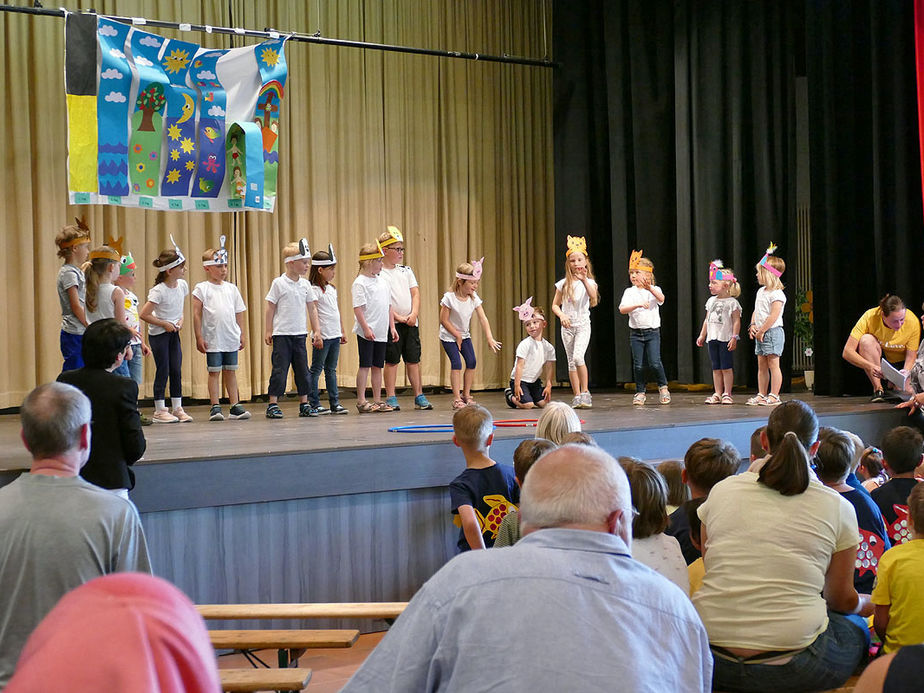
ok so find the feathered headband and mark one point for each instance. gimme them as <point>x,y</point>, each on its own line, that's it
<point>221,255</point>
<point>576,244</point>
<point>526,311</point>
<point>326,263</point>
<point>476,272</point>
<point>82,238</point>
<point>718,272</point>
<point>304,252</point>
<point>634,259</point>
<point>763,261</point>
<point>180,258</point>
<point>395,237</point>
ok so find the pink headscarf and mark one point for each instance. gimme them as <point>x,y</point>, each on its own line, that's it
<point>120,632</point>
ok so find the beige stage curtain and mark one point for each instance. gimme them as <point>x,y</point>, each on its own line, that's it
<point>458,154</point>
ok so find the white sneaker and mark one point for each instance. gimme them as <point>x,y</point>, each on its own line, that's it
<point>163,416</point>
<point>577,402</point>
<point>181,415</point>
<point>588,400</point>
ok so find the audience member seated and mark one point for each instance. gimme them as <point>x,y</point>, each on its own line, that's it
<point>557,420</point>
<point>706,463</point>
<point>902,450</point>
<point>779,548</point>
<point>898,598</point>
<point>566,609</point>
<point>57,531</point>
<point>870,470</point>
<point>899,672</point>
<point>697,569</point>
<point>832,464</point>
<point>127,632</point>
<point>887,331</point>
<point>650,545</point>
<point>526,454</point>
<point>757,447</point>
<point>117,440</point>
<point>677,492</point>
<point>485,491</point>
<point>578,438</point>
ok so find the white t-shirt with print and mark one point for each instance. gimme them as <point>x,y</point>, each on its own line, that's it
<point>535,354</point>
<point>642,318</point>
<point>328,311</point>
<point>719,322</point>
<point>764,303</point>
<point>400,281</point>
<point>661,552</point>
<point>291,299</point>
<point>220,305</point>
<point>460,314</point>
<point>576,309</point>
<point>169,303</point>
<point>373,293</point>
<point>132,321</point>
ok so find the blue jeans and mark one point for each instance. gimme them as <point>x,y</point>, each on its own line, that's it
<point>646,351</point>
<point>826,663</point>
<point>325,359</point>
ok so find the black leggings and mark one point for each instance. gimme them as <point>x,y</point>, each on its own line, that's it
<point>168,361</point>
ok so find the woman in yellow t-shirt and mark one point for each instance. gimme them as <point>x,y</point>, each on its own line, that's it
<point>887,331</point>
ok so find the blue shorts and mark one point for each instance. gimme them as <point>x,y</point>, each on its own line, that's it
<point>221,361</point>
<point>722,359</point>
<point>532,392</point>
<point>774,340</point>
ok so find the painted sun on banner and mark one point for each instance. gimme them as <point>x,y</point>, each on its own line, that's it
<point>166,124</point>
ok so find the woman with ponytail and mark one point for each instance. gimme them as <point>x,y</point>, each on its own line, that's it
<point>779,548</point>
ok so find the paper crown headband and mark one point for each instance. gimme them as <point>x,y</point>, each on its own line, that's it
<point>373,256</point>
<point>476,273</point>
<point>576,244</point>
<point>104,252</point>
<point>634,259</point>
<point>82,238</point>
<point>180,258</point>
<point>304,252</point>
<point>395,237</point>
<point>127,264</point>
<point>763,261</point>
<point>526,311</point>
<point>326,263</point>
<point>717,272</point>
<point>221,255</point>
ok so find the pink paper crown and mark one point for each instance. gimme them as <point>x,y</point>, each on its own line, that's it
<point>717,272</point>
<point>525,311</point>
<point>763,261</point>
<point>476,273</point>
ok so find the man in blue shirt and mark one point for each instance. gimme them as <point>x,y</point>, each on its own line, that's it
<point>566,608</point>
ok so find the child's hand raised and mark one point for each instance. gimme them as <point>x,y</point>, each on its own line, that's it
<point>495,345</point>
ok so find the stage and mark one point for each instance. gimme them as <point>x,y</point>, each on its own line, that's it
<point>336,508</point>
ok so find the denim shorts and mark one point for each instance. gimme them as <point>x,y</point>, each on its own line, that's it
<point>221,361</point>
<point>774,341</point>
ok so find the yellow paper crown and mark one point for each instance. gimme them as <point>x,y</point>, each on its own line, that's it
<point>576,244</point>
<point>116,244</point>
<point>105,253</point>
<point>78,240</point>
<point>634,260</point>
<point>372,256</point>
<point>396,237</point>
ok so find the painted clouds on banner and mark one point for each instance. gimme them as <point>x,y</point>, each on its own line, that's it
<point>166,124</point>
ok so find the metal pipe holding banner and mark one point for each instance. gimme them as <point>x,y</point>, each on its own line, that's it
<point>294,36</point>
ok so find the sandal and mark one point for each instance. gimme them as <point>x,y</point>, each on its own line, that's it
<point>458,404</point>
<point>365,407</point>
<point>771,401</point>
<point>382,407</point>
<point>714,398</point>
<point>274,412</point>
<point>665,395</point>
<point>727,399</point>
<point>468,399</point>
<point>756,400</point>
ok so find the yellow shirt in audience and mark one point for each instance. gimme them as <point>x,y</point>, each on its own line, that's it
<point>697,571</point>
<point>898,583</point>
<point>894,343</point>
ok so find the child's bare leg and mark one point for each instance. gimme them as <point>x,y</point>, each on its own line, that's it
<point>413,375</point>
<point>525,405</point>
<point>718,382</point>
<point>575,379</point>
<point>391,377</point>
<point>776,375</point>
<point>455,382</point>
<point>376,378</point>
<point>468,379</point>
<point>763,375</point>
<point>214,386</point>
<point>362,375</point>
<point>728,380</point>
<point>582,379</point>
<point>230,378</point>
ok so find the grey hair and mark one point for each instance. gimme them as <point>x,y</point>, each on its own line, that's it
<point>574,484</point>
<point>52,416</point>
<point>557,420</point>
<point>858,448</point>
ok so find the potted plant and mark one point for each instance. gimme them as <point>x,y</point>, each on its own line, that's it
<point>805,330</point>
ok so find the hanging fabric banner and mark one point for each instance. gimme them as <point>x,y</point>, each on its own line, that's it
<point>166,124</point>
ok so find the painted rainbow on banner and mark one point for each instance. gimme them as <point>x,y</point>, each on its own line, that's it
<point>166,124</point>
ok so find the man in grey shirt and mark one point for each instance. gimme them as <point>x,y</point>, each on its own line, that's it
<point>57,531</point>
<point>565,609</point>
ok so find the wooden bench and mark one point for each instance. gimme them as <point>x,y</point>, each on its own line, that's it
<point>264,679</point>
<point>290,644</point>
<point>377,610</point>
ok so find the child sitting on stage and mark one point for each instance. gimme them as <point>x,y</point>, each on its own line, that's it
<point>534,355</point>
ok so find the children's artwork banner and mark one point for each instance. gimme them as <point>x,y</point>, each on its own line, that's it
<point>166,124</point>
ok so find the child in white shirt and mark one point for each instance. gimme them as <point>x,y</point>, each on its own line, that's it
<point>766,329</point>
<point>720,330</point>
<point>375,321</point>
<point>535,355</point>
<point>323,269</point>
<point>641,303</point>
<point>73,247</point>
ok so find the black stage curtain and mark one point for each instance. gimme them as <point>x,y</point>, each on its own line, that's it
<point>865,171</point>
<point>675,133</point>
